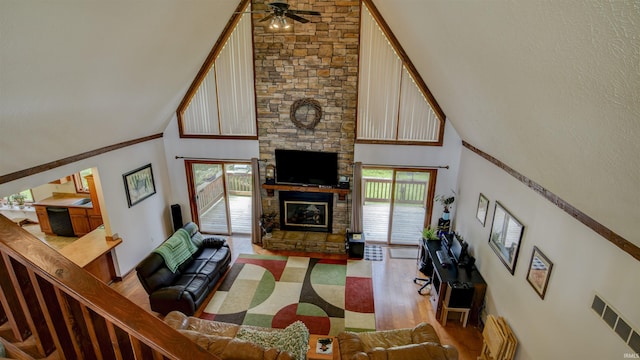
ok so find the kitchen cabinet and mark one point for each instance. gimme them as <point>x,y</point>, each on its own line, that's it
<point>94,214</point>
<point>43,219</point>
<point>79,221</point>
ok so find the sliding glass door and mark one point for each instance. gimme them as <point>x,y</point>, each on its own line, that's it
<point>397,203</point>
<point>220,196</point>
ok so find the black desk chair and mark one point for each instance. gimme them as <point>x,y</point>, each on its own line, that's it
<point>424,266</point>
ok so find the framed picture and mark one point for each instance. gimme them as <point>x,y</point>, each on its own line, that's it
<point>483,206</point>
<point>506,234</point>
<point>539,271</point>
<point>139,185</point>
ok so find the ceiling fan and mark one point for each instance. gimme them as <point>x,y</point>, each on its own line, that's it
<point>279,11</point>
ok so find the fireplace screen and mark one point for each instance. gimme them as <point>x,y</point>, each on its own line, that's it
<point>307,214</point>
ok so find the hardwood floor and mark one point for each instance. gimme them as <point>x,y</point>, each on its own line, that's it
<point>397,302</point>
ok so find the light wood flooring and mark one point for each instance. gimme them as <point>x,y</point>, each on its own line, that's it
<point>397,302</point>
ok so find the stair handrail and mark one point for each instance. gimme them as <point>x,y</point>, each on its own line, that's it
<point>25,248</point>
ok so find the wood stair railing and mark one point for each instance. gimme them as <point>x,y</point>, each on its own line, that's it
<point>53,309</point>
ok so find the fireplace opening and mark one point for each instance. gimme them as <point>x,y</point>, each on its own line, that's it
<point>302,211</point>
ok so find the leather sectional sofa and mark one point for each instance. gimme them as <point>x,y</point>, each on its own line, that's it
<point>418,343</point>
<point>181,272</point>
<point>246,342</point>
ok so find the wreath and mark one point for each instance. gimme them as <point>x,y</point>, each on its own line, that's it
<point>305,113</point>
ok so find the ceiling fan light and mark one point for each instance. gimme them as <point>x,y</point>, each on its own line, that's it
<point>274,24</point>
<point>284,23</point>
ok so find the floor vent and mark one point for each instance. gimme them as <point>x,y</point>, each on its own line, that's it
<point>621,327</point>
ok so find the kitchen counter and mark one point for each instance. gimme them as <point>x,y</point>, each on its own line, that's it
<point>66,201</point>
<point>84,214</point>
<point>92,252</point>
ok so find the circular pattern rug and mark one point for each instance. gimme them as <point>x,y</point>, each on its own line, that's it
<point>328,296</point>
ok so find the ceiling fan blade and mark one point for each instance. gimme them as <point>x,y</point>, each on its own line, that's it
<point>268,17</point>
<point>279,5</point>
<point>296,17</point>
<point>253,12</point>
<point>305,12</point>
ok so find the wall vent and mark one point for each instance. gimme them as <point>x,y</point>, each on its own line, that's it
<point>619,325</point>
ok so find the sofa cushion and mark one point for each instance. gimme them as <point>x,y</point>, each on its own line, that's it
<point>426,350</point>
<point>293,339</point>
<point>161,278</point>
<point>424,332</point>
<point>385,339</point>
<point>211,253</point>
<point>227,348</point>
<point>194,284</point>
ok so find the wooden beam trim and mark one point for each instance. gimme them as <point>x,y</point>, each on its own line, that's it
<point>71,159</point>
<point>624,244</point>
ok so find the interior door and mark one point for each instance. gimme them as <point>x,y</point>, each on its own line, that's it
<point>220,196</point>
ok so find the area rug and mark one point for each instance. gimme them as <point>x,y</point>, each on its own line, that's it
<point>373,253</point>
<point>403,252</point>
<point>328,296</point>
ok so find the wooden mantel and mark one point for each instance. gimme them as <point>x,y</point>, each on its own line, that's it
<point>271,188</point>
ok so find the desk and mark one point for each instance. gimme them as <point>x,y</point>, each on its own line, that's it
<point>441,276</point>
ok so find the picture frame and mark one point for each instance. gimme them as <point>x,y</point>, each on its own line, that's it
<point>139,184</point>
<point>539,271</point>
<point>483,208</point>
<point>506,236</point>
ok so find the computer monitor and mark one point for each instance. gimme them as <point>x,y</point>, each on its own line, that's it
<point>457,249</point>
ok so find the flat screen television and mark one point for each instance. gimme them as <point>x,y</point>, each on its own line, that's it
<point>301,167</point>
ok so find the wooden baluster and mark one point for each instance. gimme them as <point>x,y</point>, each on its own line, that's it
<point>32,308</point>
<point>11,303</point>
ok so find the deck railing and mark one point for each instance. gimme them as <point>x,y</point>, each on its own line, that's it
<point>53,309</point>
<point>209,192</point>
<point>406,192</point>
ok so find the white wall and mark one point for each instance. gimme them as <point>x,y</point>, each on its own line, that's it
<point>198,148</point>
<point>427,156</point>
<point>563,324</point>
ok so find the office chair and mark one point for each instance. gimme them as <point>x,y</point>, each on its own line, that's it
<point>424,266</point>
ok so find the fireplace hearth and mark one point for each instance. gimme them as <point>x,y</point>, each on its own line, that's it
<point>304,211</point>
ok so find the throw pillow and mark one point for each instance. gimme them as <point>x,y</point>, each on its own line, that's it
<point>213,242</point>
<point>293,339</point>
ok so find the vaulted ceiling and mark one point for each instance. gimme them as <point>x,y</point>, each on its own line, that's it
<point>552,89</point>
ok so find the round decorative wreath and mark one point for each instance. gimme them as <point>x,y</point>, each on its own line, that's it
<point>305,113</point>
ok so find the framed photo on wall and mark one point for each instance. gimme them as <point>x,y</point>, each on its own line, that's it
<point>483,207</point>
<point>139,184</point>
<point>506,234</point>
<point>539,271</point>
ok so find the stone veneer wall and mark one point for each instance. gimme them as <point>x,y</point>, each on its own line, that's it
<point>317,60</point>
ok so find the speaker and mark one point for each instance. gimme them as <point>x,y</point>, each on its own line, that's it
<point>176,216</point>
<point>459,295</point>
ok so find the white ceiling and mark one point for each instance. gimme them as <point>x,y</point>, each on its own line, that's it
<point>550,88</point>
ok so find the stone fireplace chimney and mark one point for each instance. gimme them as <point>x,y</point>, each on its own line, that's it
<point>317,60</point>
